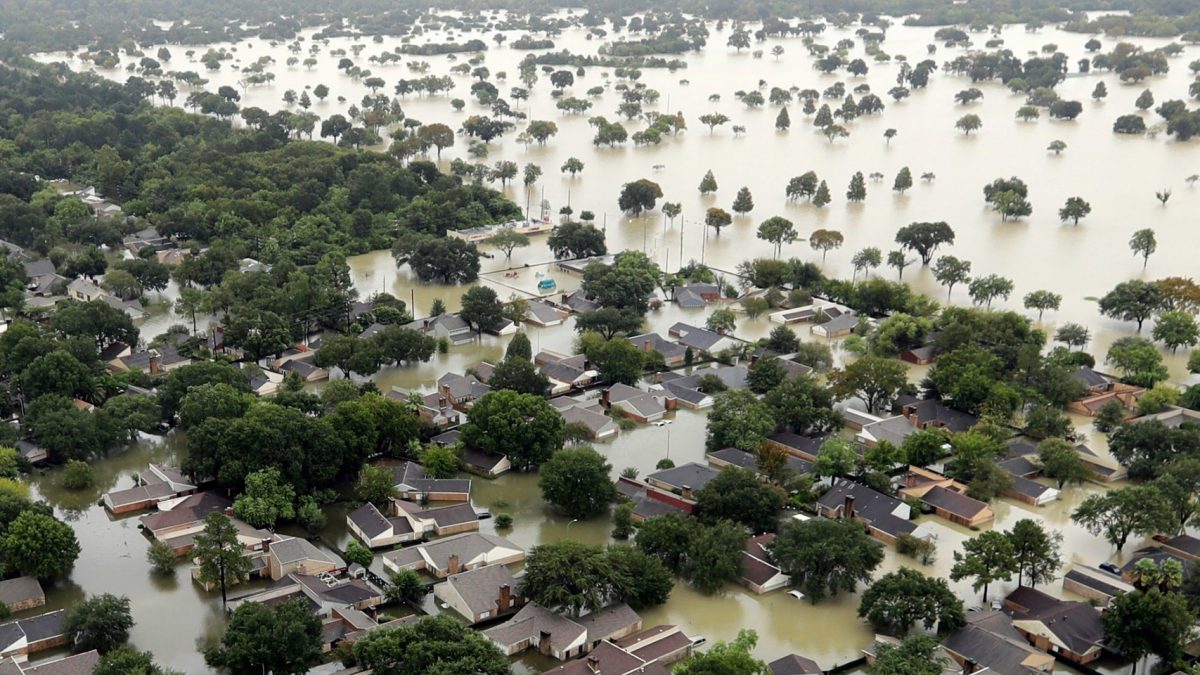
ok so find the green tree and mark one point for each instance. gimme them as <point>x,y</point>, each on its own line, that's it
<point>284,639</point>
<point>866,260</point>
<point>1042,301</point>
<point>506,240</point>
<point>917,655</point>
<point>126,660</point>
<point>1143,243</point>
<point>821,197</point>
<point>523,427</point>
<point>783,120</point>
<point>1117,514</point>
<point>778,231</point>
<point>266,499</point>
<point>161,557</point>
<point>576,240</point>
<point>1175,329</point>
<point>857,191</point>
<point>825,240</point>
<point>739,496</point>
<point>738,419</point>
<point>986,558</point>
<point>38,545</point>
<point>619,360</point>
<point>708,183</point>
<point>1149,622</point>
<point>433,645</point>
<point>743,203</point>
<point>1038,553</point>
<point>824,557</point>
<point>405,587</point>
<point>984,290</point>
<point>717,218</point>
<point>568,576</point>
<point>950,271</point>
<point>519,375</point>
<point>1133,300</point>
<point>375,484</point>
<point>1074,210</point>
<point>968,123</point>
<point>643,581</point>
<point>873,379</point>
<point>904,181</point>
<point>101,622</point>
<point>837,459</point>
<point>482,309</point>
<point>577,482</point>
<point>725,658</point>
<point>900,599</point>
<point>638,196</point>
<point>1061,463</point>
<point>219,555</point>
<point>1138,360</point>
<point>78,475</point>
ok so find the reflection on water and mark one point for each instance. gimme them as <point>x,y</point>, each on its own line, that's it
<point>1118,175</point>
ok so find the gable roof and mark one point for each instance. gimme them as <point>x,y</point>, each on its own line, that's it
<point>295,549</point>
<point>954,502</point>
<point>794,664</point>
<point>1076,625</point>
<point>990,640</point>
<point>531,622</point>
<point>480,587</point>
<point>693,475</point>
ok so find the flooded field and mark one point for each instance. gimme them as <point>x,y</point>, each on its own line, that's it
<point>1118,175</point>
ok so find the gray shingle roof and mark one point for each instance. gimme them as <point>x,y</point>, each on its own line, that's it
<point>480,587</point>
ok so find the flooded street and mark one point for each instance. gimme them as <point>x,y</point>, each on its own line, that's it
<point>1118,175</point>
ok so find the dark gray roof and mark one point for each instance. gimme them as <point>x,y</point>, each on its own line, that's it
<point>44,626</point>
<point>604,623</point>
<point>1019,466</point>
<point>953,502</point>
<point>695,337</point>
<point>369,520</point>
<point>1089,377</point>
<point>873,506</point>
<point>20,589</point>
<point>692,475</point>
<point>480,587</point>
<point>990,640</point>
<point>794,664</point>
<point>480,459</point>
<point>1029,488</point>
<point>809,445</point>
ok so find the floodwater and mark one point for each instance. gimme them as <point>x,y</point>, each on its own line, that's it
<point>1118,175</point>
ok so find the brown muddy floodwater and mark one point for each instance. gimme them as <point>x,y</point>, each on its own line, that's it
<point>1118,175</point>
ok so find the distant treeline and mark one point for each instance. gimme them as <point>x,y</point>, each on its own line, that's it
<point>71,24</point>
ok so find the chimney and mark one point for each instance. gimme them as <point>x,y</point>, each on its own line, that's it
<point>505,601</point>
<point>593,664</point>
<point>686,493</point>
<point>452,564</point>
<point>970,666</point>
<point>544,645</point>
<point>153,362</point>
<point>604,398</point>
<point>848,508</point>
<point>648,345</point>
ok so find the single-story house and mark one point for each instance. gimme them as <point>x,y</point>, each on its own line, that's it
<point>411,483</point>
<point>21,593</point>
<point>684,479</point>
<point>891,429</point>
<point>455,554</point>
<point>885,518</point>
<point>634,403</point>
<point>20,638</point>
<point>84,291</point>
<point>804,447</point>
<point>1071,630</point>
<point>989,643</point>
<point>76,664</point>
<point>306,370</point>
<point>295,555</point>
<point>565,372</point>
<point>441,521</point>
<point>739,458</point>
<point>946,496</point>
<point>921,356</point>
<point>600,425</point>
<point>759,573</point>
<point>1094,584</point>
<point>928,413</point>
<point>535,627</point>
<point>481,594</point>
<point>673,353</point>
<point>1184,546</point>
<point>322,597</point>
<point>376,530</point>
<point>702,340</point>
<point>486,464</point>
<point>155,484</point>
<point>608,658</point>
<point>794,664</point>
<point>32,452</point>
<point>543,315</point>
<point>838,324</point>
<point>651,502</point>
<point>461,391</point>
<point>449,326</point>
<point>185,514</point>
<point>663,644</point>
